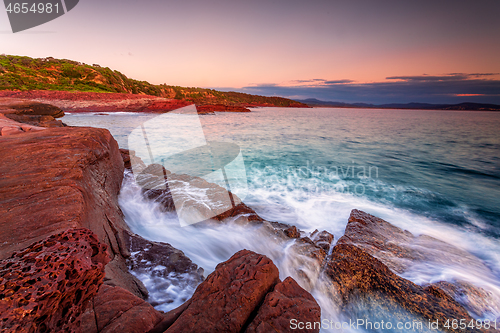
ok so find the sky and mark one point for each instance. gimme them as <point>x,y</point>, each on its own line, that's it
<point>349,51</point>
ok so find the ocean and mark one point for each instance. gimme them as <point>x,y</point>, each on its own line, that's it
<point>429,172</point>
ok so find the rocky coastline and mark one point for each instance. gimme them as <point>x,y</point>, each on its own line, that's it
<point>67,257</point>
<point>75,102</point>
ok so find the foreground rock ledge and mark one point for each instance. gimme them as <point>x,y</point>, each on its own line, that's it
<point>61,178</point>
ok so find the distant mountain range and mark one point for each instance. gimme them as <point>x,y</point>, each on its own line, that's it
<point>418,106</point>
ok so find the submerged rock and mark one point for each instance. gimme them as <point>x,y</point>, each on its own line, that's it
<point>46,286</point>
<point>322,239</point>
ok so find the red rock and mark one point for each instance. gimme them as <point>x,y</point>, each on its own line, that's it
<point>307,261</point>
<point>227,298</point>
<point>36,120</point>
<point>166,105</point>
<point>286,302</point>
<point>61,178</point>
<point>10,130</point>
<point>29,108</point>
<point>126,158</point>
<point>115,309</point>
<point>356,275</point>
<point>45,287</point>
<point>169,318</point>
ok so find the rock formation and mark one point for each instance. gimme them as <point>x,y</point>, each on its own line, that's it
<point>115,309</point>
<point>287,302</point>
<point>399,250</point>
<point>46,286</point>
<point>244,293</point>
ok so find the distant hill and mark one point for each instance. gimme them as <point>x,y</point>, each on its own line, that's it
<point>25,73</point>
<point>418,106</point>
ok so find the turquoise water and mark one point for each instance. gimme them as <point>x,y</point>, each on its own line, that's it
<point>443,165</point>
<point>429,172</point>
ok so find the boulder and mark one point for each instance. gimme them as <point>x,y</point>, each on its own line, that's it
<point>288,301</point>
<point>225,301</point>
<point>46,286</point>
<point>36,120</point>
<point>357,276</point>
<point>292,232</point>
<point>166,267</point>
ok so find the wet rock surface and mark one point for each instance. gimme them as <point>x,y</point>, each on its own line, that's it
<point>46,287</point>
<point>478,301</point>
<point>166,267</point>
<point>322,239</point>
<point>399,249</point>
<point>356,275</point>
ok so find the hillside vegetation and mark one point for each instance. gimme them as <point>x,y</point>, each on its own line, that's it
<point>25,73</point>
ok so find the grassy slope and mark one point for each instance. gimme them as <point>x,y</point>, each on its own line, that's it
<point>24,73</point>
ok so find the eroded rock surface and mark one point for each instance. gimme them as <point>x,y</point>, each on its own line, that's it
<point>98,102</point>
<point>46,286</point>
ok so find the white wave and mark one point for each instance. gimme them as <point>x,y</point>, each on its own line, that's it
<point>329,211</point>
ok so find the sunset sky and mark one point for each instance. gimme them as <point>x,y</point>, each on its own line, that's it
<point>349,51</point>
